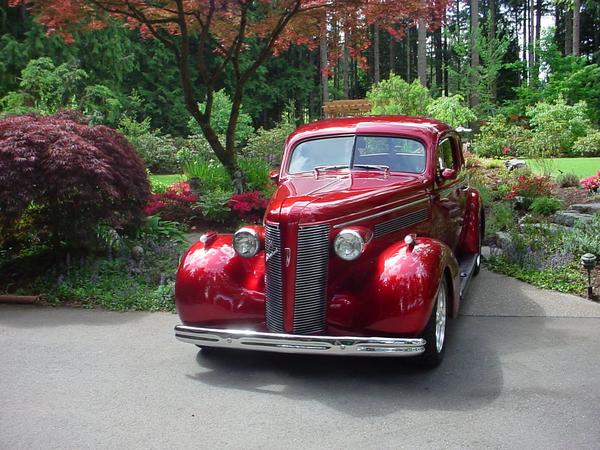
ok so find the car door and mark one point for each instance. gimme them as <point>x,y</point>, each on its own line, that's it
<point>450,190</point>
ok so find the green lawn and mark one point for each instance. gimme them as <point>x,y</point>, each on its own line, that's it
<point>165,180</point>
<point>582,167</point>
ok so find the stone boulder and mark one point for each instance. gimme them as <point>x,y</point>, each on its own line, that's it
<point>587,208</point>
<point>570,218</point>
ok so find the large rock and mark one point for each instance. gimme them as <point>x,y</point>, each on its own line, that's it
<point>587,208</point>
<point>503,239</point>
<point>570,218</point>
<point>513,164</point>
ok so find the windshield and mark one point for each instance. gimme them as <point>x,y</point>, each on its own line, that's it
<point>397,154</point>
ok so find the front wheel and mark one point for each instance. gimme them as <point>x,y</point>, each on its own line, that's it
<point>435,331</point>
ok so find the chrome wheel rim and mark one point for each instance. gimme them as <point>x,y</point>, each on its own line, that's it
<point>440,319</point>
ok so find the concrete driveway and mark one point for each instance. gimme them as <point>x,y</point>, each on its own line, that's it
<point>522,370</point>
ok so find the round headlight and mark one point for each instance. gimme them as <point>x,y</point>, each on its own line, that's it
<point>246,242</point>
<point>348,245</point>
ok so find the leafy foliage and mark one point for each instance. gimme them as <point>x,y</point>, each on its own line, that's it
<point>557,125</point>
<point>567,180</point>
<point>499,139</point>
<point>71,177</point>
<point>530,186</point>
<point>213,205</point>
<point>267,145</point>
<point>545,206</point>
<point>396,96</point>
<point>451,110</point>
<point>221,110</point>
<point>588,145</point>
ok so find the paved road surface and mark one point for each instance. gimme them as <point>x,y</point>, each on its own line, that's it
<point>522,371</point>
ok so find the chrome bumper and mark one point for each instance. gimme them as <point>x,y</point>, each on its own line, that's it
<point>293,343</point>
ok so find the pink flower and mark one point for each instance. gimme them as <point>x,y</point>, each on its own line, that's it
<point>506,150</point>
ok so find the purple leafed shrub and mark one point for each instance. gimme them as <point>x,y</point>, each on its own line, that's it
<point>60,178</point>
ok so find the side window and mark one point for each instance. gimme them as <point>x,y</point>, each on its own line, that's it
<point>444,154</point>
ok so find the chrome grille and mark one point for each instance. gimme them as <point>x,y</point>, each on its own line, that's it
<point>311,279</point>
<point>273,279</point>
<point>398,223</point>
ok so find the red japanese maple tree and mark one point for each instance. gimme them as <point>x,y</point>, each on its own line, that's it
<point>225,28</point>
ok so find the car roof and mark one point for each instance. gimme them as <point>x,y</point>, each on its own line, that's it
<point>418,127</point>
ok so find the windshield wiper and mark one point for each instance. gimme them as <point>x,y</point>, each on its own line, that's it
<point>381,167</point>
<point>317,168</point>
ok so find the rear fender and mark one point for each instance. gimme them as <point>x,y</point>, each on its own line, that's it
<point>471,229</point>
<point>405,283</point>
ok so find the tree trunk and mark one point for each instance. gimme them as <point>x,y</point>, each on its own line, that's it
<point>492,38</point>
<point>474,88</point>
<point>346,70</point>
<point>392,57</point>
<point>422,52</point>
<point>531,46</point>
<point>376,55</point>
<point>525,36</point>
<point>576,26</point>
<point>568,32</point>
<point>446,62</point>
<point>407,41</point>
<point>439,60</point>
<point>324,66</point>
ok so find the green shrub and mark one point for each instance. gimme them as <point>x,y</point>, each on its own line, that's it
<point>584,238</point>
<point>568,180</point>
<point>256,172</point>
<point>212,175</point>
<point>213,205</point>
<point>158,152</point>
<point>267,145</point>
<point>499,139</point>
<point>221,110</point>
<point>501,217</point>
<point>451,110</point>
<point>490,163</point>
<point>588,145</point>
<point>396,96</point>
<point>557,126</point>
<point>545,206</point>
<point>155,229</point>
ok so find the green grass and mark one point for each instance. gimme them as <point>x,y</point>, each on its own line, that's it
<point>582,167</point>
<point>164,180</point>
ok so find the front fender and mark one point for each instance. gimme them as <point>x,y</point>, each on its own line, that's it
<point>214,285</point>
<point>405,283</point>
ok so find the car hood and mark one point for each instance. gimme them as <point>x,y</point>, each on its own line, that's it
<point>305,198</point>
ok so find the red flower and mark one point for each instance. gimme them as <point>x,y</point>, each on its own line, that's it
<point>506,150</point>
<point>249,206</point>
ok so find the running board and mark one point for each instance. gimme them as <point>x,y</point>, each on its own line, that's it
<point>466,269</point>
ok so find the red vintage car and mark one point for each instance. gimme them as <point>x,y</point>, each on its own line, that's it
<point>366,248</point>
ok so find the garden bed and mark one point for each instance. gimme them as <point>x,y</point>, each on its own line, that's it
<point>536,228</point>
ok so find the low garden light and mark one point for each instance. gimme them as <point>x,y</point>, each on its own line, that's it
<point>588,261</point>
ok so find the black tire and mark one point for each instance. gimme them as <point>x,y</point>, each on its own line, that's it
<point>433,356</point>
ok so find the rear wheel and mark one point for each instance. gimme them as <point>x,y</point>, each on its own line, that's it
<point>435,331</point>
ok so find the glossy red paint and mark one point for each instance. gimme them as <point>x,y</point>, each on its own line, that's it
<point>390,288</point>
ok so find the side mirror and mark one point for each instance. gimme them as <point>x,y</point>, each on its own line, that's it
<point>274,176</point>
<point>449,174</point>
